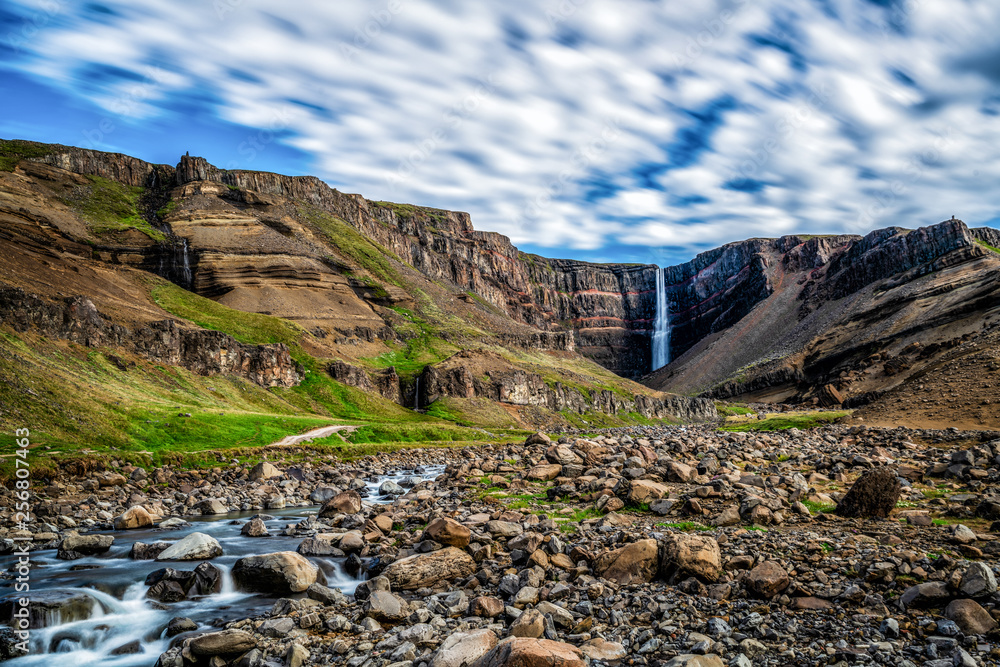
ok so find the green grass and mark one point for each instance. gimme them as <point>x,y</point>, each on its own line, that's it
<point>987,246</point>
<point>726,410</point>
<point>252,328</point>
<point>472,412</point>
<point>424,348</point>
<point>353,245</point>
<point>686,526</point>
<point>13,151</point>
<point>108,206</point>
<point>782,422</point>
<point>381,433</point>
<point>756,529</point>
<point>816,507</point>
<point>167,209</point>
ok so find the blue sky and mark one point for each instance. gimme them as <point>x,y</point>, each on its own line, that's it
<point>608,130</point>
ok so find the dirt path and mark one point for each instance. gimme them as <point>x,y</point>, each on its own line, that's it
<point>290,440</point>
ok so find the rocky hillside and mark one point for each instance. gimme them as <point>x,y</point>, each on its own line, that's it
<point>830,320</point>
<point>385,292</point>
<point>289,284</point>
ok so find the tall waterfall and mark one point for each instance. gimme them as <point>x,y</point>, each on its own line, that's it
<point>661,327</point>
<point>186,264</point>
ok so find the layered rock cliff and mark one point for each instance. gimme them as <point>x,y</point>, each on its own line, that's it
<point>201,351</point>
<point>261,242</point>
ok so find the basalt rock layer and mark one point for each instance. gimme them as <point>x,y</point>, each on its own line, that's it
<point>204,352</point>
<point>777,319</point>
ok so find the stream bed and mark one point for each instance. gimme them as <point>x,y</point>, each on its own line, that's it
<point>109,621</point>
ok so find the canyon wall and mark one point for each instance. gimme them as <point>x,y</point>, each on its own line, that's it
<point>198,350</point>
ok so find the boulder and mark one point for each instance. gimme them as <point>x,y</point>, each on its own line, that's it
<point>544,472</point>
<point>448,532</point>
<point>538,439</point>
<point>873,496</point>
<point>486,606</point>
<point>683,555</point>
<point>927,594</point>
<point>767,579</point>
<point>526,652</point>
<point>345,502</point>
<point>263,470</point>
<point>226,642</point>
<point>424,570</point>
<point>279,573</point>
<point>385,607</point>
<point>530,624</point>
<point>87,545</point>
<point>970,617</point>
<point>978,580</point>
<point>691,660</point>
<point>634,563</point>
<point>643,492</point>
<point>463,649</point>
<point>323,493</point>
<point>603,650</point>
<point>212,506</point>
<point>196,546</point>
<point>678,472</point>
<point>255,527</point>
<point>133,518</point>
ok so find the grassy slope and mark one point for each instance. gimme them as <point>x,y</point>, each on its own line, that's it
<point>76,400</point>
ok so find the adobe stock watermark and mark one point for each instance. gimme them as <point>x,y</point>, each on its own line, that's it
<point>47,11</point>
<point>712,30</point>
<point>784,128</point>
<point>21,616</point>
<point>582,159</point>
<point>370,30</point>
<point>256,143</point>
<point>124,106</point>
<point>915,168</point>
<point>563,12</point>
<point>452,119</point>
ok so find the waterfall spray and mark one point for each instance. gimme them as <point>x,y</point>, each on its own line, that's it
<point>661,326</point>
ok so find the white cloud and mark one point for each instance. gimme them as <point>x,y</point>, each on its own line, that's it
<point>518,113</point>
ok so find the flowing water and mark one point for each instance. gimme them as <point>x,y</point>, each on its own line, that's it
<point>111,610</point>
<point>185,263</point>
<point>661,326</point>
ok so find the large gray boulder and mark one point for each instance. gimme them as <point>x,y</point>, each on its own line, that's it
<point>279,573</point>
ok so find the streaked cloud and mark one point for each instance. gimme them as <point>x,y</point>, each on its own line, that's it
<point>576,127</point>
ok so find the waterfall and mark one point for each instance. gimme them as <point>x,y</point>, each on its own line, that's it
<point>661,326</point>
<point>186,264</point>
<point>416,395</point>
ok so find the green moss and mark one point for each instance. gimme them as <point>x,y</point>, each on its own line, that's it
<point>816,507</point>
<point>987,246</point>
<point>351,244</point>
<point>782,422</point>
<point>252,328</point>
<point>727,410</point>
<point>108,206</point>
<point>167,210</point>
<point>13,151</point>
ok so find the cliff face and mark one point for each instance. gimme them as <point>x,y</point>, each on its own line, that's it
<point>201,351</point>
<point>249,244</point>
<point>477,375</point>
<point>608,307</point>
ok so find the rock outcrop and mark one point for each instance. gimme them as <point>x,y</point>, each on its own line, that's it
<point>199,350</point>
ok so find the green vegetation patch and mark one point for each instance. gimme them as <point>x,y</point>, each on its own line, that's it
<point>987,246</point>
<point>250,328</point>
<point>782,422</point>
<point>727,410</point>
<point>108,206</point>
<point>13,151</point>
<point>354,245</point>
